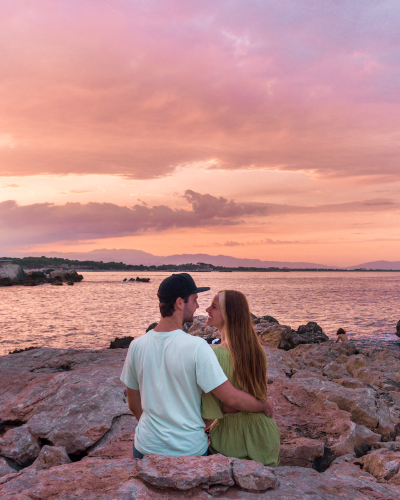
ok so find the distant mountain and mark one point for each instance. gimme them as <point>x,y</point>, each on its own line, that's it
<point>137,257</point>
<point>378,264</point>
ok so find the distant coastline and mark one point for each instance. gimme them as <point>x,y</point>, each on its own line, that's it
<point>29,263</point>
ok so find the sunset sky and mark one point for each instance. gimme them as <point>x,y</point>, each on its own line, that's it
<point>265,129</point>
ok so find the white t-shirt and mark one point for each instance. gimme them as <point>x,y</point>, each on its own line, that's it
<point>171,369</point>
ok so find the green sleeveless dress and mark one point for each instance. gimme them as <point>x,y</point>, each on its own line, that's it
<point>242,435</point>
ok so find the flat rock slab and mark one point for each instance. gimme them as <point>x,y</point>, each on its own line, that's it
<point>184,473</point>
<point>61,397</point>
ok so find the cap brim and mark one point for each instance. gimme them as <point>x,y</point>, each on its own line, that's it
<point>202,289</point>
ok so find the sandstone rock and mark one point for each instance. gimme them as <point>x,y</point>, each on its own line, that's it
<point>118,441</point>
<point>65,398</point>
<point>388,445</point>
<point>253,476</point>
<point>184,473</point>
<point>301,452</point>
<point>5,468</point>
<point>383,464</point>
<point>102,479</point>
<point>359,402</point>
<point>297,483</point>
<point>271,334</point>
<point>303,413</point>
<point>19,445</point>
<point>91,479</point>
<point>51,456</point>
<point>365,439</point>
<point>350,383</point>
<point>200,329</point>
<point>349,474</point>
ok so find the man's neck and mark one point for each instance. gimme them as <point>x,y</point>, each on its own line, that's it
<point>169,324</point>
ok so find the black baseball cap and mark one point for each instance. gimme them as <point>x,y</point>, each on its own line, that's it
<point>178,285</point>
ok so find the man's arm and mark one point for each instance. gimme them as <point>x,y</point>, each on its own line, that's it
<point>134,402</point>
<point>241,400</point>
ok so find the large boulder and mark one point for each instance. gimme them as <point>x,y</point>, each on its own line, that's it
<point>59,397</point>
<point>311,333</point>
<point>200,329</point>
<point>11,273</point>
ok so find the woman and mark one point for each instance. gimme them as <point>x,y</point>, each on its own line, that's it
<point>342,336</point>
<point>239,434</point>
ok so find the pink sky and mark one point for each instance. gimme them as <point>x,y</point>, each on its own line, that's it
<point>267,130</point>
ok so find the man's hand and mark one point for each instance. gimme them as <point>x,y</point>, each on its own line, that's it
<point>240,400</point>
<point>268,410</point>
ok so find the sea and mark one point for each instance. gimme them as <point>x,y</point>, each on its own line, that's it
<point>93,312</point>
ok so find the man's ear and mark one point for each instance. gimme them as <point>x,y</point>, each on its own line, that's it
<point>179,303</point>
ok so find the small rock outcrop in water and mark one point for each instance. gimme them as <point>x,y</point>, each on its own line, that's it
<point>338,413</point>
<point>398,329</point>
<point>121,343</point>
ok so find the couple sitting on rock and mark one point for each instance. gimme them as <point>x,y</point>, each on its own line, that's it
<point>177,384</point>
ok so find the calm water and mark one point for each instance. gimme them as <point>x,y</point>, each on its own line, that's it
<point>102,307</point>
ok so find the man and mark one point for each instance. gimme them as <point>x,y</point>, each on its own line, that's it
<point>165,372</point>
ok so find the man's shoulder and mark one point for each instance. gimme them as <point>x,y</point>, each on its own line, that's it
<point>191,339</point>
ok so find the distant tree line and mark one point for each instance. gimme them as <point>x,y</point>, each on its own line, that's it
<point>57,262</point>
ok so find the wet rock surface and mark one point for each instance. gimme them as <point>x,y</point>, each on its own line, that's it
<point>338,411</point>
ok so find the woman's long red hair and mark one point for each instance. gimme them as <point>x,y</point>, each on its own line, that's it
<point>249,363</point>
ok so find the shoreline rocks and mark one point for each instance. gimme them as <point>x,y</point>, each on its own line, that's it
<point>13,274</point>
<point>338,411</point>
<point>268,329</point>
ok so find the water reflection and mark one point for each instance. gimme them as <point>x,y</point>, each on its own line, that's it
<point>102,307</point>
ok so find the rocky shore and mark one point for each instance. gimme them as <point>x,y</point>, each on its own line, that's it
<point>66,431</point>
<point>13,274</point>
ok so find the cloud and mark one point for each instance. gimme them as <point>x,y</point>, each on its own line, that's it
<point>46,222</point>
<point>11,186</point>
<point>76,191</point>
<point>138,88</point>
